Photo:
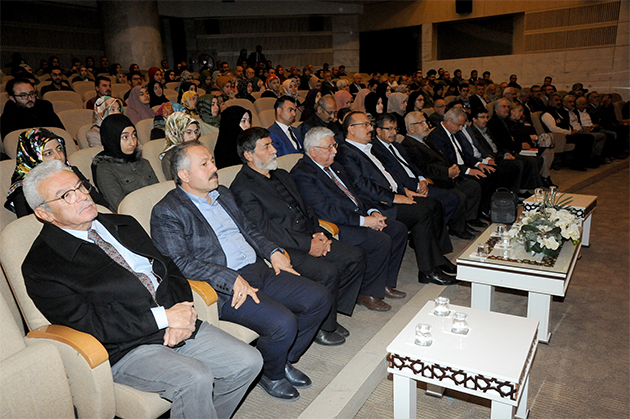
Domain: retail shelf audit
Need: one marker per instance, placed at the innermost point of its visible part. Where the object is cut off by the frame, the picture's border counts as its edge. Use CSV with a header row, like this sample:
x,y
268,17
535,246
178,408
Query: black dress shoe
x,y
342,331
473,231
279,389
550,182
296,377
329,338
448,267
391,292
464,235
477,223
436,276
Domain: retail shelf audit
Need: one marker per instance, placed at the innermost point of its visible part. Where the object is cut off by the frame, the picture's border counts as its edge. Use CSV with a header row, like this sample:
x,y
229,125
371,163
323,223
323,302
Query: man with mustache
x,y
24,110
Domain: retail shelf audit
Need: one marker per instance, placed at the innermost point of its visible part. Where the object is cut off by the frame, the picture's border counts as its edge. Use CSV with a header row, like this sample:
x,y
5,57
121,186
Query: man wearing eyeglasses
x,y
423,216
101,274
325,114
24,110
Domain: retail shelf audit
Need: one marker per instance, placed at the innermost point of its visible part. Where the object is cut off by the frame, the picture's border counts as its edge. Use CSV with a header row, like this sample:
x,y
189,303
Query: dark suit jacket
x,y
180,231
282,143
502,134
439,137
324,196
477,103
367,179
354,89
482,144
394,167
433,163
287,226
74,283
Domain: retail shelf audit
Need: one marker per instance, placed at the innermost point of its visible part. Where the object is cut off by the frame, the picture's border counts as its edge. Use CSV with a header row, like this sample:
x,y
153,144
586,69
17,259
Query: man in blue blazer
x,y
286,139
423,216
328,190
199,225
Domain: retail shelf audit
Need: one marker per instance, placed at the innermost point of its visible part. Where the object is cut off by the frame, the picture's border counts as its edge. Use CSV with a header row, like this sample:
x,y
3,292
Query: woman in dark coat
x,y
234,120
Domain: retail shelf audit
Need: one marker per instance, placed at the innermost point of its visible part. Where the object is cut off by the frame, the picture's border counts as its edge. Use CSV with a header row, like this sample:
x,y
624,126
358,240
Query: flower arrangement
x,y
543,229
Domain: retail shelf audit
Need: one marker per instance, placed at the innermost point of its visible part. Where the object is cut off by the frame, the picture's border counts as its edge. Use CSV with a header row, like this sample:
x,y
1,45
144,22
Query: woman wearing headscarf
x,y
415,102
180,128
290,88
170,76
314,83
159,122
397,106
151,73
115,69
209,109
103,107
245,88
188,104
383,90
186,87
205,79
224,83
134,67
156,93
312,98
234,120
273,87
373,105
120,169
359,101
138,105
35,146
343,99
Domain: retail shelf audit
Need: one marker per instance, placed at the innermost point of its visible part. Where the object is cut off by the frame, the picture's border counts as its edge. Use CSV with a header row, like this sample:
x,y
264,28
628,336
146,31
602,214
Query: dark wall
x,y
392,50
475,38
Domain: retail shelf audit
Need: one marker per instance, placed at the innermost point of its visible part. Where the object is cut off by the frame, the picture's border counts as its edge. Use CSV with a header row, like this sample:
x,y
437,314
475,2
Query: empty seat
x,y
65,95
151,151
144,128
75,118
267,117
64,105
82,159
264,103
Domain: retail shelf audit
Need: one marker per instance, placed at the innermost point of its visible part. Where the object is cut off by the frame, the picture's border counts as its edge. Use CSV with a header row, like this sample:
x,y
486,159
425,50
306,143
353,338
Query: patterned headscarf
x,y
395,103
285,87
204,107
176,125
103,108
186,97
29,153
269,79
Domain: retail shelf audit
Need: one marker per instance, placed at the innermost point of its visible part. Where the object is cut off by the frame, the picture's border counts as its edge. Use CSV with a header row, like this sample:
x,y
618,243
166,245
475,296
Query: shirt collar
x,y
198,200
418,139
366,148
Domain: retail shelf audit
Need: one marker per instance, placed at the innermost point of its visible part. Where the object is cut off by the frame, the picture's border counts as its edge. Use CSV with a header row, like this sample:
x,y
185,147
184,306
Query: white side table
x,y
492,361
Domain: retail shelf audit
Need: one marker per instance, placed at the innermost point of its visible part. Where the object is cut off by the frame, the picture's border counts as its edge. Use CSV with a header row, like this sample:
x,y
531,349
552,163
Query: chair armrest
x,y
205,291
330,227
85,344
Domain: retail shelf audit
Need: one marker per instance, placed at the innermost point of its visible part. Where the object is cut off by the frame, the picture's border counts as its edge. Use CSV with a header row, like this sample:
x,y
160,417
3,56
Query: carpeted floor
x,y
584,371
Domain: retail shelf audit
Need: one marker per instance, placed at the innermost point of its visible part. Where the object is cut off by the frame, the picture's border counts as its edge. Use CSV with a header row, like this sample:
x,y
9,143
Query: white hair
x,y
38,174
314,137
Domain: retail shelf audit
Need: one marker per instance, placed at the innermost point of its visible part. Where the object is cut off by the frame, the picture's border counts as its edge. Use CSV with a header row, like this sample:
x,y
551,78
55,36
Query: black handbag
x,y
504,206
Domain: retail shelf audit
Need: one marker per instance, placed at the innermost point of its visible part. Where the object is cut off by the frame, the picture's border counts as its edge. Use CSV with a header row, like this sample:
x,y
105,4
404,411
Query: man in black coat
x,y
270,198
324,116
102,275
24,110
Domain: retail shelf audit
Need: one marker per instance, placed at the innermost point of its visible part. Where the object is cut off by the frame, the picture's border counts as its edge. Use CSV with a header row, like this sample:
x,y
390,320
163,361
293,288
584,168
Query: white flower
x,y
549,242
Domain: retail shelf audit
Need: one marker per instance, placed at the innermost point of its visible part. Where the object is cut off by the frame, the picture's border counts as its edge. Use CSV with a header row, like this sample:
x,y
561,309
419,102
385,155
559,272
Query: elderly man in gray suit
x,y
200,227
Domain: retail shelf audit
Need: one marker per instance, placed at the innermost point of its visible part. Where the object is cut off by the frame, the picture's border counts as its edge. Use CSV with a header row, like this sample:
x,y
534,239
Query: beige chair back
x,y
172,85
65,95
75,119
171,95
244,103
209,140
140,202
256,95
490,108
88,95
11,141
618,106
81,87
449,99
267,117
264,103
7,167
119,90
82,136
227,174
538,126
144,128
151,151
64,105
82,159
287,161
4,98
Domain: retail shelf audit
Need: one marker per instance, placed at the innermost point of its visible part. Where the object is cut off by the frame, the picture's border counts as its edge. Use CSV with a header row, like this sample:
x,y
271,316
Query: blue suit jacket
x,y
282,143
394,167
324,196
439,138
180,231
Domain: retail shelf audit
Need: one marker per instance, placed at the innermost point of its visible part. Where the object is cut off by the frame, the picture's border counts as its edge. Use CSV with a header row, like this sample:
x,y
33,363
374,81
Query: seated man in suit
x,y
199,225
327,189
325,113
399,165
270,198
443,173
443,138
356,84
423,216
286,139
100,274
439,107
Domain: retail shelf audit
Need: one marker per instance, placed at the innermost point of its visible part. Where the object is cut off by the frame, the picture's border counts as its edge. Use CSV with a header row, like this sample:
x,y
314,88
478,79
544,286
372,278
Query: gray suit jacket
x,y
181,232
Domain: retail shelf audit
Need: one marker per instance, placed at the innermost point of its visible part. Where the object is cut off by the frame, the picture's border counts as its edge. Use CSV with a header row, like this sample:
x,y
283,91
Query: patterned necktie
x,y
341,186
117,257
294,139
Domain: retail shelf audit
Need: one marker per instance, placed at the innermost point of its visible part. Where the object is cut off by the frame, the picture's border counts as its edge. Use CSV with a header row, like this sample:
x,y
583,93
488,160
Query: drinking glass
x,y
423,335
460,323
441,307
482,251
539,194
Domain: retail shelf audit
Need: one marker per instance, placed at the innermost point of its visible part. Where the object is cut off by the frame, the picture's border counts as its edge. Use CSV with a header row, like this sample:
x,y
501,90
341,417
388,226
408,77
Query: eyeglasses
x,y
328,148
23,96
390,129
419,123
70,196
364,124
330,112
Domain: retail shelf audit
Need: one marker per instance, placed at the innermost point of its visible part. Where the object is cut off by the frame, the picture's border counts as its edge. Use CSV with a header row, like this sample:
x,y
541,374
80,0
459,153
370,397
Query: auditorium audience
x,y
180,128
103,107
58,83
138,105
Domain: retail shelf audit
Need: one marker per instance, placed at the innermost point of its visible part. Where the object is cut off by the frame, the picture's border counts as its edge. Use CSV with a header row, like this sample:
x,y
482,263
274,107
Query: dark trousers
x,y
583,147
340,271
291,310
425,222
384,251
450,202
531,171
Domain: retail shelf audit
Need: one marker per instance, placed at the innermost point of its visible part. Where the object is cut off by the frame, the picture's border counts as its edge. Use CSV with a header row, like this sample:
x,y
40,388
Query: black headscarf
x,y
381,91
155,99
225,151
411,102
184,87
111,130
371,99
309,104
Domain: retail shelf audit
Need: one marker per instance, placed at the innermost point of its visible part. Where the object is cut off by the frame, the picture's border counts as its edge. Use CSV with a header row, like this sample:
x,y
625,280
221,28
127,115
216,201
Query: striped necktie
x,y
340,185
